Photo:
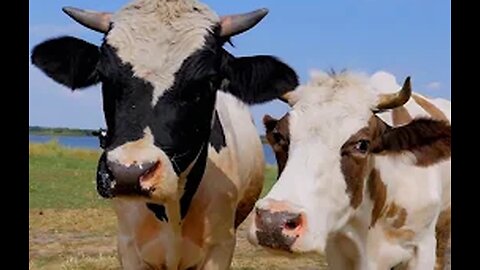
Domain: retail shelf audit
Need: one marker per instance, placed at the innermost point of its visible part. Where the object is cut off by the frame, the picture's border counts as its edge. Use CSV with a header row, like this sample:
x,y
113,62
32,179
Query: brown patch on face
x,y
429,140
400,116
431,109
278,137
442,233
355,166
355,161
378,194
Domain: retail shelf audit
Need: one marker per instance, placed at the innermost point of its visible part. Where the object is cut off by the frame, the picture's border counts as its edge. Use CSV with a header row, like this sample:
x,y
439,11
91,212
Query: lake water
x,y
90,142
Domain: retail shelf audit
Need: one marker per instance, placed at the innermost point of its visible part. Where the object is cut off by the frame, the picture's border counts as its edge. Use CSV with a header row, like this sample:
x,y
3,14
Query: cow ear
x,y
68,61
269,122
257,79
427,139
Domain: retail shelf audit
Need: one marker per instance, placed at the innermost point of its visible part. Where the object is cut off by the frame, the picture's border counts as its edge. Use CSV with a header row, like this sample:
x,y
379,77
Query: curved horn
x,y
235,24
97,21
291,97
393,100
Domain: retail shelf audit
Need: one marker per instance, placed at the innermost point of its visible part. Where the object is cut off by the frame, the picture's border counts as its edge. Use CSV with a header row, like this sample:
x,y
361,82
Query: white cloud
x,y
434,85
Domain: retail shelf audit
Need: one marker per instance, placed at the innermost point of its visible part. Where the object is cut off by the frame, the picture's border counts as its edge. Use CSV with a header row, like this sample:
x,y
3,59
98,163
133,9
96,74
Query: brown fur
x,y
354,167
442,233
278,137
378,194
433,111
396,218
429,140
398,215
249,199
400,116
396,235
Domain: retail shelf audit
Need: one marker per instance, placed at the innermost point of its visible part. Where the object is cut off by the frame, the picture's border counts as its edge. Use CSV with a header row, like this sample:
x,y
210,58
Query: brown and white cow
x,y
376,197
182,161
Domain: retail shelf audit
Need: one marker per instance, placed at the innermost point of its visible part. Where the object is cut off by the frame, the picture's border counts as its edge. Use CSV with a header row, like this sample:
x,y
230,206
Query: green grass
x,y
64,178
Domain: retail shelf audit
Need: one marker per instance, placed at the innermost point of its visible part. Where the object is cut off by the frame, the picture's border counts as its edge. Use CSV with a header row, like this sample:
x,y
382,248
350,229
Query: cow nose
x,y
127,178
278,229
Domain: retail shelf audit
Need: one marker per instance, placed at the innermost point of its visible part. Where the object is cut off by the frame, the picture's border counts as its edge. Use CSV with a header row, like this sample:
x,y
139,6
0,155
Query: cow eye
x,y
362,146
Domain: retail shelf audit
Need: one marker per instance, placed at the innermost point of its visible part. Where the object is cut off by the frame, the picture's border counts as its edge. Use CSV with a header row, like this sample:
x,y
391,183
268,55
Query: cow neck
x,y
193,174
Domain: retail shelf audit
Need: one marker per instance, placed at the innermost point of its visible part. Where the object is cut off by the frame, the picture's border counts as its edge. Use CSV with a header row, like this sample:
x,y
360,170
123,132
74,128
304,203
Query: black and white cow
x,y
183,162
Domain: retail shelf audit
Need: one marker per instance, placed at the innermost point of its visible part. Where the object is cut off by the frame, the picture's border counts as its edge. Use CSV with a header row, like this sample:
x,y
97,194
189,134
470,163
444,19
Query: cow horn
x,y
394,100
97,21
290,97
235,24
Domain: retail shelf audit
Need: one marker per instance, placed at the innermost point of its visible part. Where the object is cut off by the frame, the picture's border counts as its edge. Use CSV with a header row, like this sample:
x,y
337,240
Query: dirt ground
x,y
85,239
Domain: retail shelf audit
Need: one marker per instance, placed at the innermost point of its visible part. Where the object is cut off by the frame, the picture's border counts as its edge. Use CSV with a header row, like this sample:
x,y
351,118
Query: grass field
x,y
71,227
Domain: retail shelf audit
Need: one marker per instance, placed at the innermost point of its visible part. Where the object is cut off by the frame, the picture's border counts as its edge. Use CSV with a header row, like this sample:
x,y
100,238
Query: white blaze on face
x,y
156,36
329,111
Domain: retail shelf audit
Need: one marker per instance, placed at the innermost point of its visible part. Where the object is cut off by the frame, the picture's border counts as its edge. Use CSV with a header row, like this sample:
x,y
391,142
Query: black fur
x,y
258,79
68,60
217,138
193,181
158,210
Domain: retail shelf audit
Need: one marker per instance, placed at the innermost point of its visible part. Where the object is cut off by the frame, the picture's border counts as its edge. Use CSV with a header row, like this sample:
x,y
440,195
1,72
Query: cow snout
x,y
278,227
127,178
114,178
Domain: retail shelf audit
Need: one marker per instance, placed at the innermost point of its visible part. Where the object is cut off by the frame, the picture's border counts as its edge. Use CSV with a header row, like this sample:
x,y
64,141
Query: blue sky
x,y
403,37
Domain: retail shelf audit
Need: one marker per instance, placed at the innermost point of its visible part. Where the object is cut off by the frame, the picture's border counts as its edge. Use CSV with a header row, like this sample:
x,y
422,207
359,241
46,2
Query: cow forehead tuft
x,y
156,36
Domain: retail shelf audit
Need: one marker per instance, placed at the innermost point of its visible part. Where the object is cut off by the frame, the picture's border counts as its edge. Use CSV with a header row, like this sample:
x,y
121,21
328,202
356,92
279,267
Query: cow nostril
x,y
293,223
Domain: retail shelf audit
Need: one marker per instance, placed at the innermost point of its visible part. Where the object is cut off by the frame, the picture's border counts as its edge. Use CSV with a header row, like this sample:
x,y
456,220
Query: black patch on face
x,y
182,117
159,211
217,138
126,99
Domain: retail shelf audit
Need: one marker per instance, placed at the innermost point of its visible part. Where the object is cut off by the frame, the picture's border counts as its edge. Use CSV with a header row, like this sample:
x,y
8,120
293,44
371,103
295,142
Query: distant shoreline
x,y
47,131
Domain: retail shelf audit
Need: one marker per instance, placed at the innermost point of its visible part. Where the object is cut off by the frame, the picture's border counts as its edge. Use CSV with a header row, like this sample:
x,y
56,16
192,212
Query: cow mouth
x,y
136,189
108,186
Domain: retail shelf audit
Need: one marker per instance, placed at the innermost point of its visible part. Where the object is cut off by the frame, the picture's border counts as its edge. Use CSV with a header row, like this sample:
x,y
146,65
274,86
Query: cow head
x,y
336,145
160,64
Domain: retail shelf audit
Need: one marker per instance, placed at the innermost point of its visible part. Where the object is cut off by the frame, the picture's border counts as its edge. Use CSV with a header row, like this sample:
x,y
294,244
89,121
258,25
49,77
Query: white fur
x,y
326,103
156,36
329,110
